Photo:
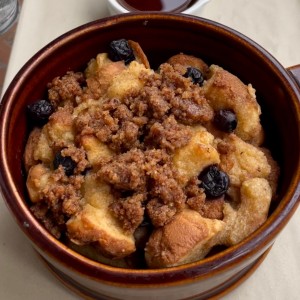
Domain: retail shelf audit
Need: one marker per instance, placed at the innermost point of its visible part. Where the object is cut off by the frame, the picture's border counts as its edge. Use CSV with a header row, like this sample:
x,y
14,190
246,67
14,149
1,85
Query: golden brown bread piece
x,y
43,151
96,224
128,82
114,78
59,129
96,151
88,104
188,61
99,74
256,195
226,91
187,238
33,139
275,172
199,153
101,71
37,180
244,161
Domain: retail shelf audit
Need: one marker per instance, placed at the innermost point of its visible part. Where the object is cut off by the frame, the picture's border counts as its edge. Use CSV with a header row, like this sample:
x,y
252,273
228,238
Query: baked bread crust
x,y
96,224
187,238
226,91
252,212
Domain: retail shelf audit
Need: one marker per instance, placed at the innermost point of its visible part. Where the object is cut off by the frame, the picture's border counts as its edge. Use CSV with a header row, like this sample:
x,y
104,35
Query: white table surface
x,y
274,24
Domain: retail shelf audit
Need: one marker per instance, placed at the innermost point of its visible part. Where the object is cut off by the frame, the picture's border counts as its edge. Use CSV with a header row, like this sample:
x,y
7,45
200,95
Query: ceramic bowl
x,y
161,36
114,7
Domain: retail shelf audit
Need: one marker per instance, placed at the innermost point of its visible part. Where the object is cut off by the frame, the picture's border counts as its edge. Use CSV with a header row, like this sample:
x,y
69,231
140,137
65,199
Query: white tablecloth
x,y
274,24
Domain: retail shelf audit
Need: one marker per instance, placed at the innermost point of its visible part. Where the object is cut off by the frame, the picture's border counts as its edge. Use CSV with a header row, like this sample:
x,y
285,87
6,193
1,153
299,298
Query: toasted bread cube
x,y
60,126
101,72
37,180
245,161
187,61
96,224
187,238
129,81
43,152
96,151
256,195
33,139
226,91
199,153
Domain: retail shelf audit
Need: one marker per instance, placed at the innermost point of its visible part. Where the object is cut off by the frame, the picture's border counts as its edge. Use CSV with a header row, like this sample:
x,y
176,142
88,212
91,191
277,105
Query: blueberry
x,y
214,181
120,50
195,74
225,120
40,111
66,162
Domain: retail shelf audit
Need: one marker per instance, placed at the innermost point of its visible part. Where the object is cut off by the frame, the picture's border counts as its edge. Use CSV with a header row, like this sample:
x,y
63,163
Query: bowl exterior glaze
x,y
161,36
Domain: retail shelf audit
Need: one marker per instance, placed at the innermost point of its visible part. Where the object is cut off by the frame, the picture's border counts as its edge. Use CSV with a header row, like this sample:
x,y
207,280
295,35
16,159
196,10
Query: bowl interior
x,y
160,36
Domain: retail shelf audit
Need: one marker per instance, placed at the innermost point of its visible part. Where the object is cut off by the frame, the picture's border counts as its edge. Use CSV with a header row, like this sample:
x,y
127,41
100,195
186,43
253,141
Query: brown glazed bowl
x,y
160,35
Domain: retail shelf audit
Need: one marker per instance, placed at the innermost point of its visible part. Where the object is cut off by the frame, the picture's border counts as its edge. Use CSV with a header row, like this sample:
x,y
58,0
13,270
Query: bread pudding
x,y
143,168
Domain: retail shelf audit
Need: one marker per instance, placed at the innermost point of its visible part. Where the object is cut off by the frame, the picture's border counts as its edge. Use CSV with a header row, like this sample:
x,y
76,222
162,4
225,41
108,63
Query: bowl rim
x,y
257,242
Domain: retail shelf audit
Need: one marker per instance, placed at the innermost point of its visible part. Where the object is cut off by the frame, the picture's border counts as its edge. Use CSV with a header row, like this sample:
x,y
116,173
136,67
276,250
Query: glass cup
x,y
9,10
